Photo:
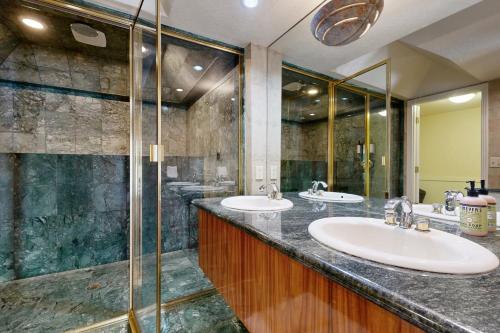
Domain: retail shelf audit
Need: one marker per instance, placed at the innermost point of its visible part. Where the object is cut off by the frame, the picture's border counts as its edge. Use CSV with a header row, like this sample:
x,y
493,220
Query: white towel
x,y
172,171
221,171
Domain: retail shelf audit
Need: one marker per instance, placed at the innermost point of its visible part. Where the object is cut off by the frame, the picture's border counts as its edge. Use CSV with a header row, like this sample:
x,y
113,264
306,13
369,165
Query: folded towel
x,y
221,171
172,171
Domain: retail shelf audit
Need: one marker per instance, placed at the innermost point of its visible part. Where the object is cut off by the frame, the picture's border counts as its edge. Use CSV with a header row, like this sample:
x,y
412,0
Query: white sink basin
x,y
333,197
203,188
426,210
182,184
435,251
256,203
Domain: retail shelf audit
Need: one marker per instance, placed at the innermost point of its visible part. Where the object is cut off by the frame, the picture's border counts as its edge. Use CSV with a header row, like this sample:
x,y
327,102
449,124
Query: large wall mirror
x,y
404,109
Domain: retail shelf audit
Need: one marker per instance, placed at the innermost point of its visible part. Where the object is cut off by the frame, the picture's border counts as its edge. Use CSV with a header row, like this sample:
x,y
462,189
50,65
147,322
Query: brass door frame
x,y
332,84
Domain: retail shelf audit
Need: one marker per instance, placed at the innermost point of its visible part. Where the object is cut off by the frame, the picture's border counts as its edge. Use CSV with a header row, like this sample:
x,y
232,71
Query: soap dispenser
x,y
492,206
473,213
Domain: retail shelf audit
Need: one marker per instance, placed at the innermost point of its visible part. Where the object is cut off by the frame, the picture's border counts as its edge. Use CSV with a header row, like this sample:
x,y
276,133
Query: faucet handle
x,y
390,212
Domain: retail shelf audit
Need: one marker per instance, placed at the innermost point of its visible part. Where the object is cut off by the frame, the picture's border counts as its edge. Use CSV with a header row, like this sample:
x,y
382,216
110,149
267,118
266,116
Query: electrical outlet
x,y
494,162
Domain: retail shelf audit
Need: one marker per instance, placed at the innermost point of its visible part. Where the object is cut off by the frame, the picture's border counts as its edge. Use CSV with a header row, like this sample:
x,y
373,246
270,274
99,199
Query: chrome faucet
x,y
399,211
274,194
452,201
315,185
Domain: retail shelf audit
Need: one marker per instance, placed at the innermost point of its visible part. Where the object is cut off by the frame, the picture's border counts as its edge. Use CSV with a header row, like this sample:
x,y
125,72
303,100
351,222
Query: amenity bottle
x,y
492,206
473,213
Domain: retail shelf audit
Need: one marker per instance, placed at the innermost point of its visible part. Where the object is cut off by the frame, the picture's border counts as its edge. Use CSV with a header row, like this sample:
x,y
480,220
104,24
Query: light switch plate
x,y
274,172
259,172
494,162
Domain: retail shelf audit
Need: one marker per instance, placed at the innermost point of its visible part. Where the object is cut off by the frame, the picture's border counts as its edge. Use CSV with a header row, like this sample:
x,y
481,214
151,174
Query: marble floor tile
x,y
73,299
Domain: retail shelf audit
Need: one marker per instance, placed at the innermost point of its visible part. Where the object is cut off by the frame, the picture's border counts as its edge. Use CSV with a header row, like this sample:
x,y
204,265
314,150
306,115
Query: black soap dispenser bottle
x,y
492,206
473,212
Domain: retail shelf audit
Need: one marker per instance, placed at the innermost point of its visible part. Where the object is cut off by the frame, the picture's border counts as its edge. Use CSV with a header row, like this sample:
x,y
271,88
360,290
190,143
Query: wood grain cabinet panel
x,y
273,293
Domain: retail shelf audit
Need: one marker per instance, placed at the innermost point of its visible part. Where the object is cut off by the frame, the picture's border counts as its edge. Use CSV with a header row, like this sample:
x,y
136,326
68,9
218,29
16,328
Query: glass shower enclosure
x,y
186,125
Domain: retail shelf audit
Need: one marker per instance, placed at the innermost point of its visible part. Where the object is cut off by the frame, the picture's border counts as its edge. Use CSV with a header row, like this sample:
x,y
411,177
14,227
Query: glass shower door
x,y
145,184
361,133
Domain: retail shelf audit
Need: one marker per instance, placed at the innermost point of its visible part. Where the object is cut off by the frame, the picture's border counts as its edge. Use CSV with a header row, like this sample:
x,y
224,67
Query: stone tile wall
x,y
61,212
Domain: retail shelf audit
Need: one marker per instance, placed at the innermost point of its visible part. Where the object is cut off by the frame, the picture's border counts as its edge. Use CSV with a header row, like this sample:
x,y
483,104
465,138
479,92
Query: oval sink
x,y
436,251
256,203
182,184
333,197
427,210
203,188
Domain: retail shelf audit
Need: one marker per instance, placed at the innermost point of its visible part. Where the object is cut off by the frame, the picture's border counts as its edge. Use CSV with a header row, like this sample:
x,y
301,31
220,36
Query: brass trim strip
x,y
132,322
363,71
204,293
132,168
367,146
240,127
112,321
79,10
331,136
158,185
306,73
388,106
130,316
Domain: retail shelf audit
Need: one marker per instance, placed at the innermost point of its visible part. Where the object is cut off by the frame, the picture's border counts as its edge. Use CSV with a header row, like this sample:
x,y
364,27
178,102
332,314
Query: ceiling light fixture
x,y
461,98
340,22
250,3
383,113
33,23
198,68
144,49
312,114
179,90
313,91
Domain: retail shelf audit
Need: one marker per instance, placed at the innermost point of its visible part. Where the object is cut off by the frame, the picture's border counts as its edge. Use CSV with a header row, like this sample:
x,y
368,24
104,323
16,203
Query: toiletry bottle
x,y
473,213
492,206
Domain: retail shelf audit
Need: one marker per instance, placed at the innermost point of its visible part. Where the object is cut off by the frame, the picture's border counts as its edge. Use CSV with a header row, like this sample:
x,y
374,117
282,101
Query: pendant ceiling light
x,y
341,22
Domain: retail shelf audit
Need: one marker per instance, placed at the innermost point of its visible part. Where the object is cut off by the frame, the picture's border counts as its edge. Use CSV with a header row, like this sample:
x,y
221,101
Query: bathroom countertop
x,y
434,302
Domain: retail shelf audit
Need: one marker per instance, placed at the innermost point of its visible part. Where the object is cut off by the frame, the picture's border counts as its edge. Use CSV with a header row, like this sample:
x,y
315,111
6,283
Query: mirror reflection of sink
x,y
333,197
435,251
256,203
203,188
182,184
427,210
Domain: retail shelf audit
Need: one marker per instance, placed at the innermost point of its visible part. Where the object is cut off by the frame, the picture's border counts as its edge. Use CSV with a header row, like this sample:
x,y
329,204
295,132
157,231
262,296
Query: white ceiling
x,y
470,39
398,19
226,20
444,105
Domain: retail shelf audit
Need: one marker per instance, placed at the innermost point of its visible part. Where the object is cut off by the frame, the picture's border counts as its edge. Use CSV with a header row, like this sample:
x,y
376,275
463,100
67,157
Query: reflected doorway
x,y
448,143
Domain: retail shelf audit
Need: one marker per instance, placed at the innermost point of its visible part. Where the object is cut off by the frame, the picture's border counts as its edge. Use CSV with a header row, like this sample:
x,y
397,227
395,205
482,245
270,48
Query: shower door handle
x,y
156,153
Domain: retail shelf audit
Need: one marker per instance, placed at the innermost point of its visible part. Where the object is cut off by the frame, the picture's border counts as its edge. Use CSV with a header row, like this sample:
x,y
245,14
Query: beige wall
x,y
450,150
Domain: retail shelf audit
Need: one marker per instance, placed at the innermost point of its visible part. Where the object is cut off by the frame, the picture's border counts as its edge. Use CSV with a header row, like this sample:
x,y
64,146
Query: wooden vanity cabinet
x,y
273,293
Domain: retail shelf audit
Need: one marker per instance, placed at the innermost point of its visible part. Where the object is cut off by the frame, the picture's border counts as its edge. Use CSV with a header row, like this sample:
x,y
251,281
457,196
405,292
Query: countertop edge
x,y
424,318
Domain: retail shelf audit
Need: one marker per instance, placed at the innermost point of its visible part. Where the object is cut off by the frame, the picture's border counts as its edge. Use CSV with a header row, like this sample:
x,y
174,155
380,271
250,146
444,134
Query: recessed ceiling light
x,y
317,100
462,98
144,49
312,114
345,98
33,23
198,68
179,89
233,99
383,113
313,91
250,3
